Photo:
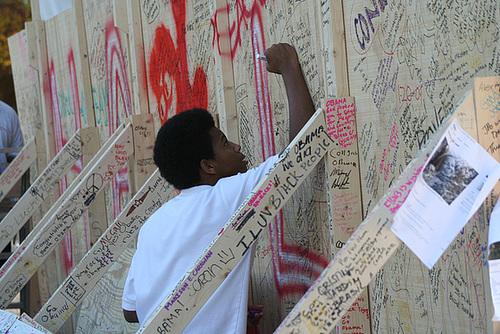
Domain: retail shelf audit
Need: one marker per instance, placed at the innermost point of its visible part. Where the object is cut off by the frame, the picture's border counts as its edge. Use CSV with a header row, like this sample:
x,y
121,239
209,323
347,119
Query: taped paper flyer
x,y
455,180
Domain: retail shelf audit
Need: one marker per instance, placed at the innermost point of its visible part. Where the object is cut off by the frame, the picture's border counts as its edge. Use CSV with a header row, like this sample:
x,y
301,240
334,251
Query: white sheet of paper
x,y
455,180
22,328
494,267
6,320
494,230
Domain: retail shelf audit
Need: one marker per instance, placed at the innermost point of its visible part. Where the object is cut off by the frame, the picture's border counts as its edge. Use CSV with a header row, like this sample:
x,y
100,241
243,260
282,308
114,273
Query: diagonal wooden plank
x,y
75,203
104,253
244,227
38,227
38,191
17,168
364,254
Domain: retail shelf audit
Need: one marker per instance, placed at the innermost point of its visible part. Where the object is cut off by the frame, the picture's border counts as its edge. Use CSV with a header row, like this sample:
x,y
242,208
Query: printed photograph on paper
x,y
447,174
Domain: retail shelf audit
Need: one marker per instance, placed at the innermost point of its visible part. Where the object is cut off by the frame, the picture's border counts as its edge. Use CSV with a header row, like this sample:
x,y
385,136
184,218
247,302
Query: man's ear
x,y
207,166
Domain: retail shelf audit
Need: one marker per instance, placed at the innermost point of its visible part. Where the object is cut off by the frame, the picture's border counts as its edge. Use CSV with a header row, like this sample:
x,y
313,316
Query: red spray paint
x,y
78,167
60,141
118,97
168,69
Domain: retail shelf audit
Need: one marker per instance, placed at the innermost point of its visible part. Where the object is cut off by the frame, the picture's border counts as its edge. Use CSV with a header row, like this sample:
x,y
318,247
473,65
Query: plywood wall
x,y
406,63
409,63
26,85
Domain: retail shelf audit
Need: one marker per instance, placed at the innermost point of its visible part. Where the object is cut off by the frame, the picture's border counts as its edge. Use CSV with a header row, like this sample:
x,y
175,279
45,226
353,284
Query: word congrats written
x,y
243,228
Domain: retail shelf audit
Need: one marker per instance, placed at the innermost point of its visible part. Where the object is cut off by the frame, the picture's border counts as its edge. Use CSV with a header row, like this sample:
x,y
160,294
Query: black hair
x,y
182,142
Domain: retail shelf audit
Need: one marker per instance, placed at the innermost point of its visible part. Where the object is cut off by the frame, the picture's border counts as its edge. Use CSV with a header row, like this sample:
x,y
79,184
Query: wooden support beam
x,y
144,141
73,206
40,288
41,149
344,191
364,254
36,194
98,220
226,97
17,168
43,78
339,50
104,253
295,163
31,37
84,57
487,104
120,15
138,76
35,10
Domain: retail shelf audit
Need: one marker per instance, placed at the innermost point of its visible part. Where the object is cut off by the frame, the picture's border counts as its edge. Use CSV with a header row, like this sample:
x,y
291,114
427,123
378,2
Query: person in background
x,y
10,134
211,172
10,137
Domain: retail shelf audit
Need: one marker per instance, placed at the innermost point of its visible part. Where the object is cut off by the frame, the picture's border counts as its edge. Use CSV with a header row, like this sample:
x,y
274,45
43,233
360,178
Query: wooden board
x,y
38,48
344,196
334,44
109,61
243,228
43,185
26,84
137,59
96,219
104,253
487,103
70,109
27,91
144,141
74,204
17,168
225,89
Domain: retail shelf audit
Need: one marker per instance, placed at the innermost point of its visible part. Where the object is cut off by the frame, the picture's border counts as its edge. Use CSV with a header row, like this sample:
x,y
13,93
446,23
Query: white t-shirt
x,y
175,236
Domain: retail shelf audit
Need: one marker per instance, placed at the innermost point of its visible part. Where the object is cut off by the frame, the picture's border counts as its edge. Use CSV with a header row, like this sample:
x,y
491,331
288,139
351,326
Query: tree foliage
x,y
13,14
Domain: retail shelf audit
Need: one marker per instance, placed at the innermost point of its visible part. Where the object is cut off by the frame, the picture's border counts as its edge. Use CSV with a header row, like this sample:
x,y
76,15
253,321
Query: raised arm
x,y
282,59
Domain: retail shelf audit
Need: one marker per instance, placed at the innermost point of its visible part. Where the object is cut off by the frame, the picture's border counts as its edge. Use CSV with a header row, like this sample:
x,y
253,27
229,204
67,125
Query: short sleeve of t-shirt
x,y
128,298
238,187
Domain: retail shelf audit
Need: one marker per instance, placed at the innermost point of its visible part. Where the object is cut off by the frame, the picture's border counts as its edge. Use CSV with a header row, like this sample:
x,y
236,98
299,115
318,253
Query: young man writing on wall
x,y
212,175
